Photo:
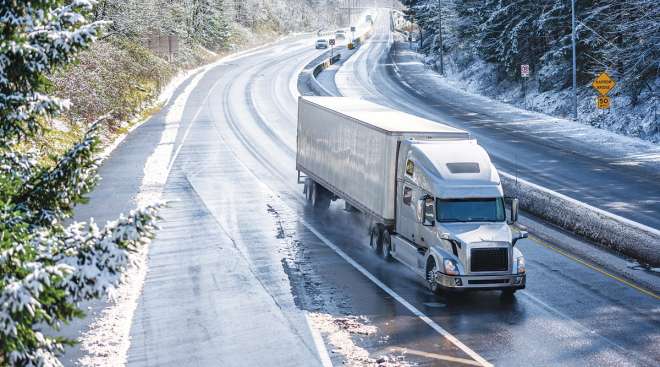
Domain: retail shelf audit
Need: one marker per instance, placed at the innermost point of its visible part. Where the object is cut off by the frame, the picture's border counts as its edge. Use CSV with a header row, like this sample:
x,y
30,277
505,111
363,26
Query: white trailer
x,y
350,146
420,182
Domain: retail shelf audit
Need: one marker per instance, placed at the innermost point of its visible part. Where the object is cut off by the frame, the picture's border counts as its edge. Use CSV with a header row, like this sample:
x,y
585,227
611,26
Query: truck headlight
x,y
450,267
520,265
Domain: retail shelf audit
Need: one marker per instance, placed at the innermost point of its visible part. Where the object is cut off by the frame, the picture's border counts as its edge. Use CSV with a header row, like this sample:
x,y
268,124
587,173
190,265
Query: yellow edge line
x,y
554,248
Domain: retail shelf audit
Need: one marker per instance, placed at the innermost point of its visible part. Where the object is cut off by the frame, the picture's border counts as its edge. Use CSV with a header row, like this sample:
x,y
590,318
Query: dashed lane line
x,y
592,267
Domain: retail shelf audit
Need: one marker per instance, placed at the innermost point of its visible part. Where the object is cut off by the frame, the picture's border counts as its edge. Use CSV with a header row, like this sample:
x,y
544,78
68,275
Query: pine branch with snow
x,y
47,268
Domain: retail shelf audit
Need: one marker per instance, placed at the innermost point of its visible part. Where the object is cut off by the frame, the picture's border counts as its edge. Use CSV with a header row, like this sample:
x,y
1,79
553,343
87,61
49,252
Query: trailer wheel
x,y
320,197
307,189
386,250
431,269
376,239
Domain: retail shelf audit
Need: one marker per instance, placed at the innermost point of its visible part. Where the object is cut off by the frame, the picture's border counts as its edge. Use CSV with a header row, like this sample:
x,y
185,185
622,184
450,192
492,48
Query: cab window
x,y
410,168
407,195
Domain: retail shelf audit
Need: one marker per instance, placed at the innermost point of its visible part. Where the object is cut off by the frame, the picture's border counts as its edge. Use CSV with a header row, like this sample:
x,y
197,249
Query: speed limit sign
x,y
331,41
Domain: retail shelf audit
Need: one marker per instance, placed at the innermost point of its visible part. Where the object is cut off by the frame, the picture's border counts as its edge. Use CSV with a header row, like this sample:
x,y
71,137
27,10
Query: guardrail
x,y
325,64
309,74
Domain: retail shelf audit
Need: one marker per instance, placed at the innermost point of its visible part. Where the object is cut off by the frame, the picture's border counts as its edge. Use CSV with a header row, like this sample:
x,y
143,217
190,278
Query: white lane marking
x,y
318,341
396,296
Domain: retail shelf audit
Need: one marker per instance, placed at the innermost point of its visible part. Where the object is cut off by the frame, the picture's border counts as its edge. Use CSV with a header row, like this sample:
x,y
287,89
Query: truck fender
x,y
438,254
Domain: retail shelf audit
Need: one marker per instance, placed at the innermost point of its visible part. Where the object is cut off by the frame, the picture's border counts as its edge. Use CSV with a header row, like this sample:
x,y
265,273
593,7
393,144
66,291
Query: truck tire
x,y
507,293
431,268
320,197
307,190
386,246
376,239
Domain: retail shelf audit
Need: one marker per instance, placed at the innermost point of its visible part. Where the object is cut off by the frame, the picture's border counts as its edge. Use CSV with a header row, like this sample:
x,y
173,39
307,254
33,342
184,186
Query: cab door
x,y
406,221
425,233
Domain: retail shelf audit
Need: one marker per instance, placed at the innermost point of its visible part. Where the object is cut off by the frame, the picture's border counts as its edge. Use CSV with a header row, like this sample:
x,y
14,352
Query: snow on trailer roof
x,y
386,119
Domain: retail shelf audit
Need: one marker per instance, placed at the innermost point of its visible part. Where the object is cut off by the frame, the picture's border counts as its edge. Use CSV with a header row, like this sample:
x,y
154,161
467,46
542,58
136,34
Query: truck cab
x,y
451,225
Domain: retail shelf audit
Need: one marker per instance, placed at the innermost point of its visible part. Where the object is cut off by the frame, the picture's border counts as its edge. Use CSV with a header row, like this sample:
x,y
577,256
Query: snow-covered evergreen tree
x,y
620,37
47,267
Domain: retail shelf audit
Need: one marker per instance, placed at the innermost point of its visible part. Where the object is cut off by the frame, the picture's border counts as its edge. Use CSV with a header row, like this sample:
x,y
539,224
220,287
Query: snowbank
x,y
606,229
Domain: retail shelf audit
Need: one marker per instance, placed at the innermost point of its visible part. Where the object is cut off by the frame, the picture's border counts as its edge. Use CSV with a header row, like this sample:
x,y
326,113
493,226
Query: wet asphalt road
x,y
598,175
238,240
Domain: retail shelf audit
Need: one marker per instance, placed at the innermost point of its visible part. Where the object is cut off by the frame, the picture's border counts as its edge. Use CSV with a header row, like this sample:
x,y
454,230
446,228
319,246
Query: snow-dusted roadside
x,y
623,149
107,340
167,93
622,118
340,332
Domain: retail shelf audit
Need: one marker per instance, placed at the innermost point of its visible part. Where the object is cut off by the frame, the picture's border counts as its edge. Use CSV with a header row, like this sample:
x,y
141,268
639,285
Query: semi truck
x,y
431,193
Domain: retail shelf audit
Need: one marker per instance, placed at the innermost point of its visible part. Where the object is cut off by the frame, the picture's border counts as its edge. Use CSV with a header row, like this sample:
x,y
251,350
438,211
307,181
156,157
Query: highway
x,y
238,239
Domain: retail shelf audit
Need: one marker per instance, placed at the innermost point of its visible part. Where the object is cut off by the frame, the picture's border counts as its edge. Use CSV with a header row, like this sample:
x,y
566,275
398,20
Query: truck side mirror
x,y
514,210
519,236
428,218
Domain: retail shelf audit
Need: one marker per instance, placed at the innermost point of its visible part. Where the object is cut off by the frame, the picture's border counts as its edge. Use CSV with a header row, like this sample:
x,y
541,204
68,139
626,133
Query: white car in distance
x,y
321,43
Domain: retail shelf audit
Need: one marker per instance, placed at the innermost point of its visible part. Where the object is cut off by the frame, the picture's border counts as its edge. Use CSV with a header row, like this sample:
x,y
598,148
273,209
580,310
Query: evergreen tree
x,y
46,267
209,26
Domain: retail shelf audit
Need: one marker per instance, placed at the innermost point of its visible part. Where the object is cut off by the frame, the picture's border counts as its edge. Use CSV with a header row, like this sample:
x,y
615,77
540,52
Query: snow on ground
x,y
107,341
627,150
340,333
639,121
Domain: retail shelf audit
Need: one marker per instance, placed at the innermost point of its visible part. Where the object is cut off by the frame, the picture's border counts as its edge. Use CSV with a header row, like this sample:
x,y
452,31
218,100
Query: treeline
x,y
211,23
620,37
146,42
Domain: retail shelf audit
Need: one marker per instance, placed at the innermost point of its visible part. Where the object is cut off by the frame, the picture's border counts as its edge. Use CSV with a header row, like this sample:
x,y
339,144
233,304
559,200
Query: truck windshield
x,y
470,210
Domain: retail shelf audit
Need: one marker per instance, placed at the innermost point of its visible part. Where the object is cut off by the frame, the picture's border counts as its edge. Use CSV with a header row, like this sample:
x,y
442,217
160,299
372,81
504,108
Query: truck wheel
x,y
508,292
386,251
320,197
431,269
307,190
375,239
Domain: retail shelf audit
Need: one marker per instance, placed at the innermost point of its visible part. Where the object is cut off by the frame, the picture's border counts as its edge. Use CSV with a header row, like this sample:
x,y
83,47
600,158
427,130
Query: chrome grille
x,y
489,259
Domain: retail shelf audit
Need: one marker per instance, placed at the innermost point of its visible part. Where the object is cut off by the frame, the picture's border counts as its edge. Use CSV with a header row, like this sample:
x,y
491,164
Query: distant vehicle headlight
x,y
450,267
521,265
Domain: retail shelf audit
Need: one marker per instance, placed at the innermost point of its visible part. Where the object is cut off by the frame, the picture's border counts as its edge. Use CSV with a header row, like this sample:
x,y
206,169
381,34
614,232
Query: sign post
x,y
603,84
353,34
331,41
524,73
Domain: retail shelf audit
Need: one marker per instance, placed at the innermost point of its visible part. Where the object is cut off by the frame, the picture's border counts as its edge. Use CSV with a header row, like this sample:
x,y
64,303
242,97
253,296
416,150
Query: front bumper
x,y
506,281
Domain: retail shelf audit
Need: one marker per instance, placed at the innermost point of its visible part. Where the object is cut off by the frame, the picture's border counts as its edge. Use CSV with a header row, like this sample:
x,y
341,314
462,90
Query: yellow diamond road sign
x,y
603,84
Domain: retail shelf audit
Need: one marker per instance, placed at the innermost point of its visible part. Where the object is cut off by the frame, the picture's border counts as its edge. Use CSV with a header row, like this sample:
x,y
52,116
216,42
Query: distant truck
x,y
433,196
